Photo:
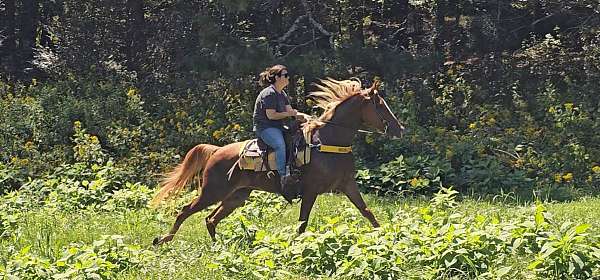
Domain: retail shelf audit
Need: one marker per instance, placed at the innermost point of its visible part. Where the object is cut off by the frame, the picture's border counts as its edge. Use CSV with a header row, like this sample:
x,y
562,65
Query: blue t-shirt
x,y
268,98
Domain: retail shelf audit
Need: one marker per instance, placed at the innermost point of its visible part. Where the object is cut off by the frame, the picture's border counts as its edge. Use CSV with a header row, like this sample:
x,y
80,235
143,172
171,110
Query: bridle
x,y
381,118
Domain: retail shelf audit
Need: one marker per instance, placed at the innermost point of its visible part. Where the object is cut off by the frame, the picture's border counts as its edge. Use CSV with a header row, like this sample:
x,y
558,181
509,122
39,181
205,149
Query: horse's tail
x,y
174,181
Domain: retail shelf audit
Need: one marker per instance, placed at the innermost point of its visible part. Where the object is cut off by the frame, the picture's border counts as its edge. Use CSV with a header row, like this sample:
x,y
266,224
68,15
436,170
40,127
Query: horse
x,y
347,108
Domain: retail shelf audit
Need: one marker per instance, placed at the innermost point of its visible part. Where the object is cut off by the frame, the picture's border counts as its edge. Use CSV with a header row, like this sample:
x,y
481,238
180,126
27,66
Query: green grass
x,y
48,231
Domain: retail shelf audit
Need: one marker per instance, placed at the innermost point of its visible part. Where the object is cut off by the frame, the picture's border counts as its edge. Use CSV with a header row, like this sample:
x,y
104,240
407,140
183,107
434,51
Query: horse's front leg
x,y
352,192
308,200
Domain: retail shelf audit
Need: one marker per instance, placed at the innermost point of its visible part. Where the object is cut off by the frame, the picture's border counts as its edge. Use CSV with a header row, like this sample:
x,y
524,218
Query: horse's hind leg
x,y
225,208
209,195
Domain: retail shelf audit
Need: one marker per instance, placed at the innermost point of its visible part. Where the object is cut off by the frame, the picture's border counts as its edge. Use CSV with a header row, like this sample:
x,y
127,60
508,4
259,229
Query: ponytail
x,y
267,77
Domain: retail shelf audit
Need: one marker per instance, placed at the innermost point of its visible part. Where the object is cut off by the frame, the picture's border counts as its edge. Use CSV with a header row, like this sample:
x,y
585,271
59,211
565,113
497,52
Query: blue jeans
x,y
274,138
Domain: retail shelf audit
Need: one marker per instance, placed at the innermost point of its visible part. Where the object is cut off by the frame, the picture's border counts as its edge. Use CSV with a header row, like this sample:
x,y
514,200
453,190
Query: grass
x,y
48,231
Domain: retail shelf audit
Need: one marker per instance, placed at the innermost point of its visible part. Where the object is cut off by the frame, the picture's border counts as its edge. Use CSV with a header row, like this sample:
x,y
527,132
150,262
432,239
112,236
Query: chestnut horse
x,y
346,109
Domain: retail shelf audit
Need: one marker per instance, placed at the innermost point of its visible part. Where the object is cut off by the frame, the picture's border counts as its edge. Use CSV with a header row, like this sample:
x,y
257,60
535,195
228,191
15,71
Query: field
x,y
419,239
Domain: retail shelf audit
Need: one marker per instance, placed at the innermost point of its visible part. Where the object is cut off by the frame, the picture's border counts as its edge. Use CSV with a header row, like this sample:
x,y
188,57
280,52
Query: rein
x,y
383,120
358,130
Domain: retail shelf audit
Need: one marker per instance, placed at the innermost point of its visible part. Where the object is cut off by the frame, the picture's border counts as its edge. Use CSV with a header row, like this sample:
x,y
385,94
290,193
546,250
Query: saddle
x,y
257,156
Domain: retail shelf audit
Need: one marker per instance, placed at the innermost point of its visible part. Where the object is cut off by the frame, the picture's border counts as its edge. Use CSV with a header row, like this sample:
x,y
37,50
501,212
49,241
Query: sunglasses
x,y
287,75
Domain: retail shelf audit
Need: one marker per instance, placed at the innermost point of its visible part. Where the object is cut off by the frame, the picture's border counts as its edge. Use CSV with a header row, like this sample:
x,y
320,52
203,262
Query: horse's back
x,y
227,154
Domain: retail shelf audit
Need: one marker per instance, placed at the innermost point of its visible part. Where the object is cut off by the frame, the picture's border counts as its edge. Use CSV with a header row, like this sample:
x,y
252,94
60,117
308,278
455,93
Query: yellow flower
x,y
414,182
236,127
551,110
520,162
568,177
596,169
569,106
472,126
77,124
491,121
28,145
557,178
94,139
131,92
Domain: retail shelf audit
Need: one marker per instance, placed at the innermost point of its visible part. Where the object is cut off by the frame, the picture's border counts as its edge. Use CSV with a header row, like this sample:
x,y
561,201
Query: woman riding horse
x,y
331,167
272,106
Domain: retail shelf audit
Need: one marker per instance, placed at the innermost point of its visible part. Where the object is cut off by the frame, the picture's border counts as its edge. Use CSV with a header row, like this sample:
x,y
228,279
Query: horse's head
x,y
377,114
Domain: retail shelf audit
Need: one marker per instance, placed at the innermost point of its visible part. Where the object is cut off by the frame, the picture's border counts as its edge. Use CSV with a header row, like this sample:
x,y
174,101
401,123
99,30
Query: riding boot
x,y
287,189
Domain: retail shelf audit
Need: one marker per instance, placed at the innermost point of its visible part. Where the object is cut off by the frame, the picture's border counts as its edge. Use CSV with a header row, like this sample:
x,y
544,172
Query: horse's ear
x,y
373,89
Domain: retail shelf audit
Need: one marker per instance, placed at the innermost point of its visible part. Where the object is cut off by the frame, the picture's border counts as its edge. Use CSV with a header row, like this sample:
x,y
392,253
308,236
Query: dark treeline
x,y
501,94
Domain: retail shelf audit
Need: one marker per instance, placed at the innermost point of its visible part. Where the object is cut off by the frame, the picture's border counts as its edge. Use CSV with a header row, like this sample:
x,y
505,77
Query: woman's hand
x,y
292,113
302,117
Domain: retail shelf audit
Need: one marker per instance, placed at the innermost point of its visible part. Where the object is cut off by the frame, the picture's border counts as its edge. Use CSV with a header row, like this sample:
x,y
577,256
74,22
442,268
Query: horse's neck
x,y
343,124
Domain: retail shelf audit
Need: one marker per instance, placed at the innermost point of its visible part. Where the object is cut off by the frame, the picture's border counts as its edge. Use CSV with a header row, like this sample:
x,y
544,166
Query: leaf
x,y
503,271
450,263
517,243
582,228
548,250
25,249
270,263
578,260
534,264
539,214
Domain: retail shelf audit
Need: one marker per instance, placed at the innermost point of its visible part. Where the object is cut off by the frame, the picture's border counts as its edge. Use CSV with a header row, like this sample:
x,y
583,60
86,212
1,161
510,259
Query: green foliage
x,y
105,258
417,174
488,175
471,84
78,186
87,147
428,242
442,239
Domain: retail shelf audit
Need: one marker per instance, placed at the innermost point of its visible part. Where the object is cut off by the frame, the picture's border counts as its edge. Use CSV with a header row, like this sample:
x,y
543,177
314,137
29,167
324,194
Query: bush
x,y
429,242
417,174
105,258
80,185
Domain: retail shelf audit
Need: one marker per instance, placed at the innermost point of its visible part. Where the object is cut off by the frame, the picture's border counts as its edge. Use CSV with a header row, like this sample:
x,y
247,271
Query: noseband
x,y
381,118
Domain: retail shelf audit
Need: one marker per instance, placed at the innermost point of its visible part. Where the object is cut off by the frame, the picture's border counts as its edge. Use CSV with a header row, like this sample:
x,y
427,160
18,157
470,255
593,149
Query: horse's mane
x,y
329,95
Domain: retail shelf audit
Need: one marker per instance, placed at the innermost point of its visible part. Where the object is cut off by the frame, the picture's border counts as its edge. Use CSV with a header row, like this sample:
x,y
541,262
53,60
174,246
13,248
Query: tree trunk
x,y
357,38
27,37
8,54
439,33
136,37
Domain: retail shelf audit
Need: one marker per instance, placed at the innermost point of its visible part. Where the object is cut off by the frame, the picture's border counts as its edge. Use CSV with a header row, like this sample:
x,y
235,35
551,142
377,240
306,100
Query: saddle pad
x,y
252,158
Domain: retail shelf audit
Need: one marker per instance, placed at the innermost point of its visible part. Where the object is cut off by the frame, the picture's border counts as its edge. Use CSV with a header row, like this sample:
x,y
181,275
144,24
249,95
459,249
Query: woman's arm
x,y
272,114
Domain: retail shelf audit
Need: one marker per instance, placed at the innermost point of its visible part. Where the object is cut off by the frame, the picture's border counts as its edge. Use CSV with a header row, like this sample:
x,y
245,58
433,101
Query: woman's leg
x,y
274,138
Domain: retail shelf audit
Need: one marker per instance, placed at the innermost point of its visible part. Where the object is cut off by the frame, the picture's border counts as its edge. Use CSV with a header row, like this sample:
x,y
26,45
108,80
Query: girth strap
x,y
335,149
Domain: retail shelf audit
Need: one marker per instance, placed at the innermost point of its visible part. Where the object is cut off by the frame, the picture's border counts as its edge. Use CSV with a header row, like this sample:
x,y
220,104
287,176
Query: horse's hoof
x,y
211,231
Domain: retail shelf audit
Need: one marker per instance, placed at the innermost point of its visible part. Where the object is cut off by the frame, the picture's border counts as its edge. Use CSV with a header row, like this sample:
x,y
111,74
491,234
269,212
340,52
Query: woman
x,y
272,106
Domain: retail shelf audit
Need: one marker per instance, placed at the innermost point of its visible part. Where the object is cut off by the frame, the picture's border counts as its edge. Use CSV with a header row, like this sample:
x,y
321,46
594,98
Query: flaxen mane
x,y
329,95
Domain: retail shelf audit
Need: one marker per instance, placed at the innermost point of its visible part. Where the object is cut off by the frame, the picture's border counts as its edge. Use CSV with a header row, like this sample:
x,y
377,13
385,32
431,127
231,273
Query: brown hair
x,y
267,77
